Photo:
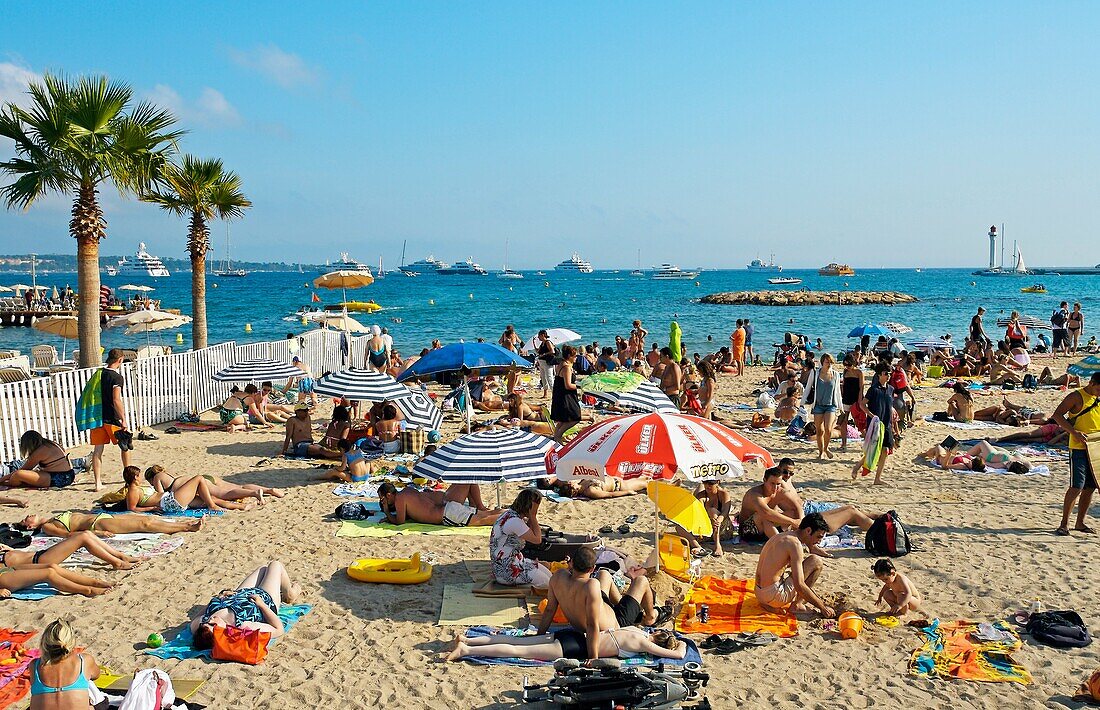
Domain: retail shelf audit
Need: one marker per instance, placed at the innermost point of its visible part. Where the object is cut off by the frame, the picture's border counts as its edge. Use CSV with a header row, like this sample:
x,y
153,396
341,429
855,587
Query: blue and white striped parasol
x,y
1028,322
931,344
489,456
257,371
647,397
419,410
366,385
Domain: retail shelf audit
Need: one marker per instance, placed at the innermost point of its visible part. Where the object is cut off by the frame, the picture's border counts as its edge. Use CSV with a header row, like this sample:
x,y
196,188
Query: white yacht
x,y
430,265
784,281
463,268
575,263
144,264
760,265
507,273
346,263
670,271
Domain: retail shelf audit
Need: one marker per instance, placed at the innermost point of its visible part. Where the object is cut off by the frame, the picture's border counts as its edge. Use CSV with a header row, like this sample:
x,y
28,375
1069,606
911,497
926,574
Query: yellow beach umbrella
x,y
343,279
680,506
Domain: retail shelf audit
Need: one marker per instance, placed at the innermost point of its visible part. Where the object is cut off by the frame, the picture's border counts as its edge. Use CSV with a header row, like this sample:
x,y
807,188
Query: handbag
x,y
760,421
232,643
413,441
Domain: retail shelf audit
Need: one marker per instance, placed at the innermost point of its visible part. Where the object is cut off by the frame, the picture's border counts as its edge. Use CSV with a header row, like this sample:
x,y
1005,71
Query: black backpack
x,y
1062,629
887,536
352,510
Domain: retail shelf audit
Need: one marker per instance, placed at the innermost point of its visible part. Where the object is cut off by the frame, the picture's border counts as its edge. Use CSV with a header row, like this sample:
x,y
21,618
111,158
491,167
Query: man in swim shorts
x,y
760,516
593,604
785,576
299,432
790,503
411,505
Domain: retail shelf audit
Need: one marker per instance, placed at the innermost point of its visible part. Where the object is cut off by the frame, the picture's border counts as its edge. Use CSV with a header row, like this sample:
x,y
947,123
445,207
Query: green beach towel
x,y
366,528
89,408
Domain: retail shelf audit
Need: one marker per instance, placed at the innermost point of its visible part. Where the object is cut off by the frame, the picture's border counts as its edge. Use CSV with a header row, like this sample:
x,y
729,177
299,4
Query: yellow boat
x,y
355,306
1037,288
835,269
379,571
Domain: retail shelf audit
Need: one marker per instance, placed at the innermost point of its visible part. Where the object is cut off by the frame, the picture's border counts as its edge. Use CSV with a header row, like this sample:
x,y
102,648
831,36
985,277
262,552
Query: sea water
x,y
599,306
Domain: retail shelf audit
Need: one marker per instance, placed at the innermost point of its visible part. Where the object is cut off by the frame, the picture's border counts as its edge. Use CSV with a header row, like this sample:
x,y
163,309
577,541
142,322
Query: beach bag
x,y
1061,629
1030,382
413,441
238,645
887,536
352,510
796,427
935,371
765,401
760,421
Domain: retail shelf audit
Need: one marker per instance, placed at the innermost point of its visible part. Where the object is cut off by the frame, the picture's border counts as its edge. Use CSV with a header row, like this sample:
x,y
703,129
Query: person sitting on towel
x,y
593,604
785,576
411,505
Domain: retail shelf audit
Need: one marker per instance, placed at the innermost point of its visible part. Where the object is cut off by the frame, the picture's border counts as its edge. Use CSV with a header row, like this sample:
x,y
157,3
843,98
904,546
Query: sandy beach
x,y
985,548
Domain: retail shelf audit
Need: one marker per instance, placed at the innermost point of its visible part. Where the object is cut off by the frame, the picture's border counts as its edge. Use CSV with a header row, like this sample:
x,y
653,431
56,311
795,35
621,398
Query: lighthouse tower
x,y
992,246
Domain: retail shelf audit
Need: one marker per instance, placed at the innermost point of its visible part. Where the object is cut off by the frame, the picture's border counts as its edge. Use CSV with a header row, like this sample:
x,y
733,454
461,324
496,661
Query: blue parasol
x,y
487,357
871,329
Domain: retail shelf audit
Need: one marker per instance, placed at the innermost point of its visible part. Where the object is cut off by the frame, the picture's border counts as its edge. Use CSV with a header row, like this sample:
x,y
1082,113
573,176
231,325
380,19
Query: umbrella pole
x,y
657,526
467,407
498,494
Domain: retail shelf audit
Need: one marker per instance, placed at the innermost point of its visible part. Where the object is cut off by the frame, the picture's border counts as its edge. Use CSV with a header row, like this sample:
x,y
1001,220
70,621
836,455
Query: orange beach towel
x,y
733,608
15,661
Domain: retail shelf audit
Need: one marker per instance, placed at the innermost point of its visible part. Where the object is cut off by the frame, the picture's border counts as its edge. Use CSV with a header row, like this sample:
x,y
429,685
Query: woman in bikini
x,y
953,460
388,429
254,604
851,387
600,489
523,417
995,457
145,499
960,406
1075,324
61,551
338,429
163,481
570,643
706,391
12,579
105,524
354,467
236,411
1048,433
61,677
45,465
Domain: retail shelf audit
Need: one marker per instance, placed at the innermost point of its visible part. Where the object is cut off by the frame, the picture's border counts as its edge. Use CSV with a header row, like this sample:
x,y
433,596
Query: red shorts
x,y
105,434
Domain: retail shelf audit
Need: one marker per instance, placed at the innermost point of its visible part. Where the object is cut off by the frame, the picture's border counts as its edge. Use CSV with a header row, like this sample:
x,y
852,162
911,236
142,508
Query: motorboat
x,y
354,306
463,268
430,265
144,264
227,271
505,272
1037,288
835,269
784,281
671,271
575,264
760,265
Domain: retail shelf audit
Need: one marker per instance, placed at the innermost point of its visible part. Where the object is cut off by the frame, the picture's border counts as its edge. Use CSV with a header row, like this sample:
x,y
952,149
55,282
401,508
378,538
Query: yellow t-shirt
x,y
1087,423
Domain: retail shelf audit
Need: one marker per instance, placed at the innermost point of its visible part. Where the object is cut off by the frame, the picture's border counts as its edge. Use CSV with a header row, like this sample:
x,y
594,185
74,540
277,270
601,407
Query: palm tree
x,y
74,136
205,190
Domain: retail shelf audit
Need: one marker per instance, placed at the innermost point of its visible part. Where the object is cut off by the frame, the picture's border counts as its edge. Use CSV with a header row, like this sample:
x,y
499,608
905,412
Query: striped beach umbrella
x,y
655,446
257,371
1028,322
366,385
419,410
1085,368
646,397
931,344
899,328
488,456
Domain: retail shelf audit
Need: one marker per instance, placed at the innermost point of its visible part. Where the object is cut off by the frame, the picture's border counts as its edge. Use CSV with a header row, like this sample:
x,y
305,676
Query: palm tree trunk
x,y
197,245
88,227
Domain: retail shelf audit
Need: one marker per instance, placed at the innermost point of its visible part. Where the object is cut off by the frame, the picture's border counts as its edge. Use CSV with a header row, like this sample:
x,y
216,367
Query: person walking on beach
x,y
879,402
114,416
737,348
823,395
977,330
547,353
1079,415
1075,325
1059,319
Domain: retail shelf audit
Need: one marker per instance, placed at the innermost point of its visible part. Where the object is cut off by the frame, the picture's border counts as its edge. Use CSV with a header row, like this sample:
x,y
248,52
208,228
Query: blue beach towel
x,y
180,646
33,594
692,655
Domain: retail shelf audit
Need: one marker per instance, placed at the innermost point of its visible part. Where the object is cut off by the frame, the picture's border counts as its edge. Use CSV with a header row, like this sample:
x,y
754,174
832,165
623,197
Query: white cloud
x,y
13,83
209,110
286,69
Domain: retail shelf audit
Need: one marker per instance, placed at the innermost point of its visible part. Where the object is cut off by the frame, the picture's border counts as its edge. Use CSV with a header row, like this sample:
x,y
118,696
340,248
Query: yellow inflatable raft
x,y
410,571
355,306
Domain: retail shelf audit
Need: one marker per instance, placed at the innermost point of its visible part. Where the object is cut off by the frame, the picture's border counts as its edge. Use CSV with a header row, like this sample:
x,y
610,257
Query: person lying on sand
x,y
954,460
570,643
898,592
12,579
600,489
410,505
192,492
792,591
13,500
61,551
106,525
254,604
163,481
1049,433
593,604
774,506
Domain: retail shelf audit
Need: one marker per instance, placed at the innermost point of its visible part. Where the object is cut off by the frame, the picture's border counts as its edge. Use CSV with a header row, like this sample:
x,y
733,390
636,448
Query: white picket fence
x,y
158,389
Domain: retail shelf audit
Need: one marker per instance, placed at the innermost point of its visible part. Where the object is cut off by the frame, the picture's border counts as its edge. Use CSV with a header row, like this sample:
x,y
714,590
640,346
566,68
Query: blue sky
x,y
703,134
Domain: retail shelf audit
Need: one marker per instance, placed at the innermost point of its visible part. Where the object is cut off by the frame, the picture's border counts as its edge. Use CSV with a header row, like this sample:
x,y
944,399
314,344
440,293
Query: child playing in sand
x,y
897,590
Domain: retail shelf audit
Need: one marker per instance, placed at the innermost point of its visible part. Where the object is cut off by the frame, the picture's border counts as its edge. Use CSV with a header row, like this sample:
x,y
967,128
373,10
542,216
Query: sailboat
x,y
381,273
1019,268
404,270
229,271
505,272
638,268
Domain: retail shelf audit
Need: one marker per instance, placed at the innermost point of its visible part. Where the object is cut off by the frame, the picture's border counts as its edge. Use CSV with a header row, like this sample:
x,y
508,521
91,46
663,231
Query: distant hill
x,y
21,263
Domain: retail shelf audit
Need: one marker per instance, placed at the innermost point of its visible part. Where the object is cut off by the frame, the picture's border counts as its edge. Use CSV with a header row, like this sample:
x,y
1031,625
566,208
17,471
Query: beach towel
x,y
89,408
34,593
132,544
15,662
733,609
643,660
966,425
872,445
365,489
953,651
366,528
461,607
189,513
184,688
479,570
197,426
180,646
